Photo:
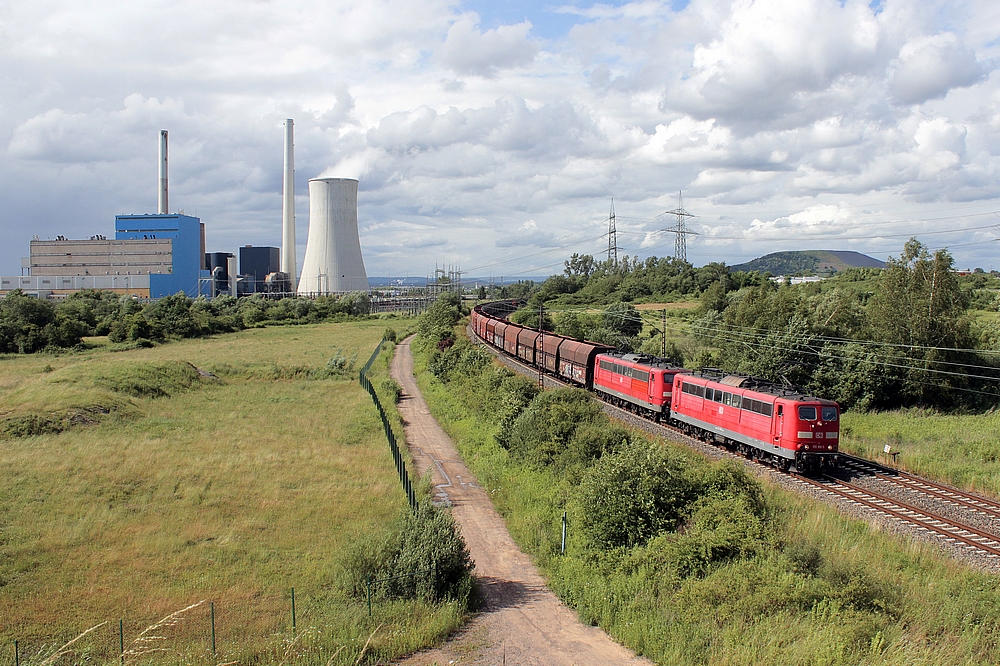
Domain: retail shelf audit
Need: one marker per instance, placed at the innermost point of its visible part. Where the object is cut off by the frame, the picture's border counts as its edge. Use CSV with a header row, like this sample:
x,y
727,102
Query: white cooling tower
x,y
333,261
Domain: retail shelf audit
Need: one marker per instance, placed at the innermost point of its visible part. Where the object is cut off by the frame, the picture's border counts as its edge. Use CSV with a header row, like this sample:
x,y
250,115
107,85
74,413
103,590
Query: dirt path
x,y
523,622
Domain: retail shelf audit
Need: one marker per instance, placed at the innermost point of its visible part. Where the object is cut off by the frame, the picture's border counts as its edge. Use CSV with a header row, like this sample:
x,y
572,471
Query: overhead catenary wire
x,y
756,341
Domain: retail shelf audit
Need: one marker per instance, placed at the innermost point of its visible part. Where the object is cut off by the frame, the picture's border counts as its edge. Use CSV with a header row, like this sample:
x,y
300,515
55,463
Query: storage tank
x,y
333,261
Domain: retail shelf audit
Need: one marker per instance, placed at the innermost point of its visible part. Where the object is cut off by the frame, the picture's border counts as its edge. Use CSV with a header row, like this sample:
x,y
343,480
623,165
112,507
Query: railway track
x,y
916,484
952,530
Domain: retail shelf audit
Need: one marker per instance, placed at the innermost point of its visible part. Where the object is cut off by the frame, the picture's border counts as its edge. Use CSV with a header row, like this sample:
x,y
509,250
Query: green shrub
x,y
513,393
338,366
390,388
425,558
542,433
633,495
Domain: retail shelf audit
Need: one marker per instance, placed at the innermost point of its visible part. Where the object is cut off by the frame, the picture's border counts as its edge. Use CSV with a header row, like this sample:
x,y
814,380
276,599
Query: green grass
x,y
187,488
827,590
963,450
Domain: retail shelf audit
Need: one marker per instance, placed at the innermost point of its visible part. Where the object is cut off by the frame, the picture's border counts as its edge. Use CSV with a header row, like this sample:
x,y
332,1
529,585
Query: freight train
x,y
779,425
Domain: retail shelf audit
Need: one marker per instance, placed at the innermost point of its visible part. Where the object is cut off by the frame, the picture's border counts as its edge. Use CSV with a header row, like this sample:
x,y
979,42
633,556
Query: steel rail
x,y
925,486
928,520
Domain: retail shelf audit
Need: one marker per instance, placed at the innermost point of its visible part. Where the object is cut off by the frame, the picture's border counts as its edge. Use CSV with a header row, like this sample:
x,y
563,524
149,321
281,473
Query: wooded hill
x,y
809,261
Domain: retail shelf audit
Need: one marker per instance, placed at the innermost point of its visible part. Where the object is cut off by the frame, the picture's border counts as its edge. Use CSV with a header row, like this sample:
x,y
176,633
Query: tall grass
x,y
819,589
961,449
233,488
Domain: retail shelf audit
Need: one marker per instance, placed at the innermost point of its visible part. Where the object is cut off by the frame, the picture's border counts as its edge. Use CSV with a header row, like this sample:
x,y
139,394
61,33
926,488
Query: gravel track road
x,y
522,621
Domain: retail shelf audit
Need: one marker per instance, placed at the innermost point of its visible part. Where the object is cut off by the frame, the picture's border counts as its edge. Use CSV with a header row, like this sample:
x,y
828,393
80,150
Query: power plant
x,y
333,261
156,255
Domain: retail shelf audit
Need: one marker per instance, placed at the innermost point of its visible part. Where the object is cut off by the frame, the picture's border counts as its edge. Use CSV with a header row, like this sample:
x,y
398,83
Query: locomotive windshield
x,y
829,413
807,413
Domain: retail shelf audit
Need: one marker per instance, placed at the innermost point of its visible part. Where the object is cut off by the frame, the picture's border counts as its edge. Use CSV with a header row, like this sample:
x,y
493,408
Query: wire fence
x,y
259,628
397,456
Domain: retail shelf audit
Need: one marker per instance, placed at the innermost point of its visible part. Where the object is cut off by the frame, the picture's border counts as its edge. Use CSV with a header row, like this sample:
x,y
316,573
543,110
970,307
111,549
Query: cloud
x,y
468,51
528,234
771,59
478,141
930,66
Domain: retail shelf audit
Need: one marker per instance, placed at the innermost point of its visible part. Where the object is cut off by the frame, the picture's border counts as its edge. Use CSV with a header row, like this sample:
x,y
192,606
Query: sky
x,y
493,136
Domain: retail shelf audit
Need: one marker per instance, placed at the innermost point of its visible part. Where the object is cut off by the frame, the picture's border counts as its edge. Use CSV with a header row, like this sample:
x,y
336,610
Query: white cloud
x,y
930,66
468,51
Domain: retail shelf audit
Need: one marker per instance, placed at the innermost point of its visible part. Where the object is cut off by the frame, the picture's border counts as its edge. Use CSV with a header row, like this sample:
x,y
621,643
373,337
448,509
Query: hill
x,y
809,261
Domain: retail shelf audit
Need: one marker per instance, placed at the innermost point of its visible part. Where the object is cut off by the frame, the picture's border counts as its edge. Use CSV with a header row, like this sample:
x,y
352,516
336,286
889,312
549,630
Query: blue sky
x,y
494,135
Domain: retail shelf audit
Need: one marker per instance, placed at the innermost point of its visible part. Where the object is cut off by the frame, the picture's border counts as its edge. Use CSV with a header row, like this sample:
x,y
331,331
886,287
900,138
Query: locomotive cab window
x,y
829,413
807,412
709,394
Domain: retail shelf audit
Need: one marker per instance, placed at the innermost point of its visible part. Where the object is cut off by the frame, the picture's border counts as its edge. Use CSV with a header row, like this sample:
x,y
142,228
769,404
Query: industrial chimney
x,y
161,204
288,208
333,261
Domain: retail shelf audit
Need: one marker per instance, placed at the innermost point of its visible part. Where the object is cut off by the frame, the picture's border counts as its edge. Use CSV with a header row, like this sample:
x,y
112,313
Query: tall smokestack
x,y
162,199
288,208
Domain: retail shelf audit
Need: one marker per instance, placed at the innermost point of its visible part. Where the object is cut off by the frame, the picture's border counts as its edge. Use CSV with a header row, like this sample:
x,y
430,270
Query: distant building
x,y
257,262
151,256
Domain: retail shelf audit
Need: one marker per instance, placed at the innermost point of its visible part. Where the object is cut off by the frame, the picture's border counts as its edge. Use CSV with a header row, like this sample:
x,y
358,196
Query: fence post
x,y
369,587
17,656
563,552
211,608
293,610
121,641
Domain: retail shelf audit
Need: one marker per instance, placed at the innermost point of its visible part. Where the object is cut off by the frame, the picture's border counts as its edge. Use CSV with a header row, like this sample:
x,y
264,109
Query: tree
x,y
623,318
918,313
579,265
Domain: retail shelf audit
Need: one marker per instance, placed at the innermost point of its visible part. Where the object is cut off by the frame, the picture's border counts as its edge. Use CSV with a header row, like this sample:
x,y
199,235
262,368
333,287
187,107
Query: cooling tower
x,y
333,261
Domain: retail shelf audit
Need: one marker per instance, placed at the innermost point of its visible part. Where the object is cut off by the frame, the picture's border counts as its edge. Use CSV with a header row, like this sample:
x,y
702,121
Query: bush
x,y
542,433
630,497
29,325
425,558
512,395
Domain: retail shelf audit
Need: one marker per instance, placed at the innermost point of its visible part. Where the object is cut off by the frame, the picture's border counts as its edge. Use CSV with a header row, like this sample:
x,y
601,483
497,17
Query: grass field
x,y
963,450
826,589
154,487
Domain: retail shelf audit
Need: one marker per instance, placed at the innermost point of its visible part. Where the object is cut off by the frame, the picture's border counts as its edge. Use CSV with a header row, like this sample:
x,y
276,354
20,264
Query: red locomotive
x,y
639,383
776,424
761,420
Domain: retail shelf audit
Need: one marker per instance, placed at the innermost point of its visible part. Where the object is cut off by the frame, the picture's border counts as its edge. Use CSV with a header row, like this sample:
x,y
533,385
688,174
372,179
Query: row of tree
x,y
29,325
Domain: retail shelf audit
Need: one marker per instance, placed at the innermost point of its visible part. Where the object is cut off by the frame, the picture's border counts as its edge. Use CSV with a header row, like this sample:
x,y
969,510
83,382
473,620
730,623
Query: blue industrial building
x,y
187,234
